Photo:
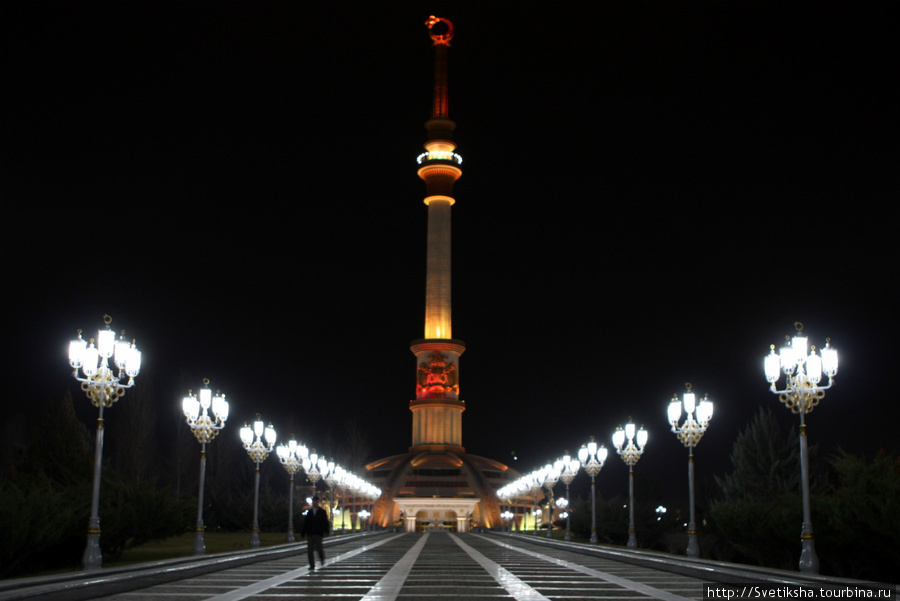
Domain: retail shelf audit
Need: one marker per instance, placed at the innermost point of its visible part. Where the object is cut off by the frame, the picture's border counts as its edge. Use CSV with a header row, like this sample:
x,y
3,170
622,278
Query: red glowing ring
x,y
438,38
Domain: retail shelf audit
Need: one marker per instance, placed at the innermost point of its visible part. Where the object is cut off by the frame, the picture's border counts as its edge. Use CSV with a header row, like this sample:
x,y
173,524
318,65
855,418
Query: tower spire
x,y
437,410
440,106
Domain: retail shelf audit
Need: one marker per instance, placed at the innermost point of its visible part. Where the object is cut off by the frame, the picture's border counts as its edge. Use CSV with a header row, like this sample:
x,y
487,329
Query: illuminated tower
x,y
437,410
436,483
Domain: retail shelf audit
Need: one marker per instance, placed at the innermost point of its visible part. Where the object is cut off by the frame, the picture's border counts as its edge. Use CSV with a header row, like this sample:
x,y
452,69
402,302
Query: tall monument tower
x,y
437,410
436,484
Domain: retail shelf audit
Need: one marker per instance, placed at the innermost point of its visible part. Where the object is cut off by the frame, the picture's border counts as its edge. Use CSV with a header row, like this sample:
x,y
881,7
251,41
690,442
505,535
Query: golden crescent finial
x,y
440,39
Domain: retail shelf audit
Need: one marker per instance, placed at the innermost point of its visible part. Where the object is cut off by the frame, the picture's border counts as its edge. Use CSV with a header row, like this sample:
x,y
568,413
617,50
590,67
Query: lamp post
x,y
630,453
253,439
330,477
510,508
552,472
205,428
689,433
291,457
521,493
103,386
592,458
801,394
535,479
340,480
353,487
569,471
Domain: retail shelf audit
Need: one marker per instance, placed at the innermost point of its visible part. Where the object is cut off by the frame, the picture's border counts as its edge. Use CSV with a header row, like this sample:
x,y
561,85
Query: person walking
x,y
315,527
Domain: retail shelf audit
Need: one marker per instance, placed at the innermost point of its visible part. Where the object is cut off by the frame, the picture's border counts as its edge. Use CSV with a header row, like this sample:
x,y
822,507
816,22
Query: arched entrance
x,y
422,514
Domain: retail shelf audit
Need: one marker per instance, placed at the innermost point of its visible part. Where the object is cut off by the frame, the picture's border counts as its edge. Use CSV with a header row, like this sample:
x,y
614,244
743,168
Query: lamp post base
x,y
199,542
693,548
254,538
92,559
632,539
809,561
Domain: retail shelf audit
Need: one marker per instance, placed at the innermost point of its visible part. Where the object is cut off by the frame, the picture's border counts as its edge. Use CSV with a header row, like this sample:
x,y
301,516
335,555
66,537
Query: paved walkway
x,y
426,567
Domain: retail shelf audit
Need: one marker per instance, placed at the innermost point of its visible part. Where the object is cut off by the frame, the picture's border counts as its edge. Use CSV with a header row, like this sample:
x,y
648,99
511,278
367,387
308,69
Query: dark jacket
x,y
315,522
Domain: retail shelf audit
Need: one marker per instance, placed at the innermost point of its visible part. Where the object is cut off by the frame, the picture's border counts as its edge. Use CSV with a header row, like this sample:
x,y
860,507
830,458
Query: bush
x,y
42,525
132,514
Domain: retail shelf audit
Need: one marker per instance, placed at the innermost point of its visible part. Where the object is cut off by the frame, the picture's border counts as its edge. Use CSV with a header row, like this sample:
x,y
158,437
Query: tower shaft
x,y
438,317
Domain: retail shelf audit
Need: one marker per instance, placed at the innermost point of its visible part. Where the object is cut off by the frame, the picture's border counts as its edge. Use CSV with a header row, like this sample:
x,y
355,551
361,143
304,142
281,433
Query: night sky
x,y
652,193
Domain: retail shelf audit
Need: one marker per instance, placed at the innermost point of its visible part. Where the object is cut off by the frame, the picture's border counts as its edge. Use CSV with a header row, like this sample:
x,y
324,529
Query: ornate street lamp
x,y
340,480
689,433
552,472
801,394
205,428
630,453
374,493
535,480
592,458
291,456
521,492
258,441
104,386
329,475
352,484
569,471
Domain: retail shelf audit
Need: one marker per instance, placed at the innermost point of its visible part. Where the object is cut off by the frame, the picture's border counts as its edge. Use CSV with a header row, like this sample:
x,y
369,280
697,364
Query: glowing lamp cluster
x,y
697,416
258,440
802,371
103,384
592,457
291,456
196,412
630,452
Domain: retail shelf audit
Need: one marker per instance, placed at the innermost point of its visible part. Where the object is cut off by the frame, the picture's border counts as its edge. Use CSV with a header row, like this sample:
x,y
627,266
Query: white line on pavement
x,y
513,585
389,586
629,584
258,587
